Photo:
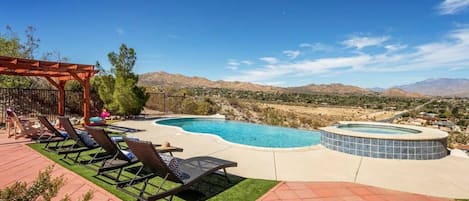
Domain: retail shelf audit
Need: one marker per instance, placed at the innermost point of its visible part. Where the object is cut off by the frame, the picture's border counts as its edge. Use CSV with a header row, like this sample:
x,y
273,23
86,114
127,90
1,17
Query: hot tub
x,y
383,140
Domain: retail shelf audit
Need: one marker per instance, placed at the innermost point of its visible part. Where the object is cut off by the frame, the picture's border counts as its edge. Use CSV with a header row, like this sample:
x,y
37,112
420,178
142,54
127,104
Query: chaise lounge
x,y
82,141
185,172
57,136
120,158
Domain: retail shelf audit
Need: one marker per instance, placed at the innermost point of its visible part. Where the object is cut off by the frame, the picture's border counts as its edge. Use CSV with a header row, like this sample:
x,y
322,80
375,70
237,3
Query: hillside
x,y
330,88
396,92
439,87
167,79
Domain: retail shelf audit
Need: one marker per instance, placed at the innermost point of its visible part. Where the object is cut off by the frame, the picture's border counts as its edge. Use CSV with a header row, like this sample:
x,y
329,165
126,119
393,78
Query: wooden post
x,y
85,83
86,100
61,88
61,105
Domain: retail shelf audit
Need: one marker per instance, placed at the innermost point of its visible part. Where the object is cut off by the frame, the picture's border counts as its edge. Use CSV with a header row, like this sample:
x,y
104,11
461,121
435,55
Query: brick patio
x,y
338,191
18,162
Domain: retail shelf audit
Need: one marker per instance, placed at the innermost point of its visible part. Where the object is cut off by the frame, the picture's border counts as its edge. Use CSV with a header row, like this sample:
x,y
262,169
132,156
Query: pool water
x,y
248,133
377,129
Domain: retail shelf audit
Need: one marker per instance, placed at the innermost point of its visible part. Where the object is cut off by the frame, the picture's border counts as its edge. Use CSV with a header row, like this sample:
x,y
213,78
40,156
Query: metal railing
x,y
31,102
165,103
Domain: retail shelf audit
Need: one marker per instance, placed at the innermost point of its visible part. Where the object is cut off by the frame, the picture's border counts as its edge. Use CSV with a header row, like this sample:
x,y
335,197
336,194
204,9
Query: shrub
x,y
43,188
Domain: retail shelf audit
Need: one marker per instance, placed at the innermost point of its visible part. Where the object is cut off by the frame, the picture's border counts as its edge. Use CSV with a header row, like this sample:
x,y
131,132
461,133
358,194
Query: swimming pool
x,y
247,133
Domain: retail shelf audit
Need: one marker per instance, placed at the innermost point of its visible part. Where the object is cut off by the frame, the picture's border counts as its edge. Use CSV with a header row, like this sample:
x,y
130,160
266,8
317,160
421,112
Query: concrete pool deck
x,y
446,177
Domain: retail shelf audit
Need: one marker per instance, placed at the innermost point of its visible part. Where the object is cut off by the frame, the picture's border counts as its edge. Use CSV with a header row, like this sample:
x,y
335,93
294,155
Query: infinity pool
x,y
248,133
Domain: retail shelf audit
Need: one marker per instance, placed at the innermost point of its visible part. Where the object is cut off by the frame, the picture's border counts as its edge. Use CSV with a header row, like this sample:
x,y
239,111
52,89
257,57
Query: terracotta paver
x,y
18,162
339,191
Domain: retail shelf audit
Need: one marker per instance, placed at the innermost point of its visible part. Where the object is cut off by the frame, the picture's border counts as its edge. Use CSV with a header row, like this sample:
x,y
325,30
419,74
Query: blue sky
x,y
278,42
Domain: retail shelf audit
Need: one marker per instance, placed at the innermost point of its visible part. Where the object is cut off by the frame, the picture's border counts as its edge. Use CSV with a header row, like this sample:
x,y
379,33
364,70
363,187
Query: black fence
x,y
165,103
31,102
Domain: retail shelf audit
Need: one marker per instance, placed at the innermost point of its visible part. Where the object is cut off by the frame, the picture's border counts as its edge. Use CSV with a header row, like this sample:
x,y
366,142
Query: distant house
x,y
456,128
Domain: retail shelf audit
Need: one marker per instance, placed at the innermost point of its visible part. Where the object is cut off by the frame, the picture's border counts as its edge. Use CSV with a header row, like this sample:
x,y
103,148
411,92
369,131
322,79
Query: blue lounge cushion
x,y
64,134
128,154
87,140
81,132
121,139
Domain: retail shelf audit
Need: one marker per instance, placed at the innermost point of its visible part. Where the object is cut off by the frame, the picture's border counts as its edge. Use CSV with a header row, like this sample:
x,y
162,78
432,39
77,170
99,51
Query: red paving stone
x,y
18,162
339,191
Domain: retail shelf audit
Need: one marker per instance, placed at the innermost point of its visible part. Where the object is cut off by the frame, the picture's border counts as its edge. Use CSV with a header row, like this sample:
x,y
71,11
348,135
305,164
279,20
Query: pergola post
x,y
85,83
61,105
86,100
61,88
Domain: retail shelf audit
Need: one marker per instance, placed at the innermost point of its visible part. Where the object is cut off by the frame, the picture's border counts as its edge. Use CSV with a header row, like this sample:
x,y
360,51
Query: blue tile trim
x,y
385,148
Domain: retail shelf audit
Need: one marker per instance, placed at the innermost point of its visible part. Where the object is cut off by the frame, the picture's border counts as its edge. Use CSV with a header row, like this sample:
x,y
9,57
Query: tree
x,y
11,45
118,89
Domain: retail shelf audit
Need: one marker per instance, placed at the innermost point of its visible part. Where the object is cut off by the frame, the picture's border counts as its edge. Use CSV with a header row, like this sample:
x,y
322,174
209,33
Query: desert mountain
x,y
439,87
396,92
167,79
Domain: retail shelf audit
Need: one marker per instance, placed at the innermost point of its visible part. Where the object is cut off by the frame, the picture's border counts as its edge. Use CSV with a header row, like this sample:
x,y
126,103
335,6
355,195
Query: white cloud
x,y
317,47
304,45
233,64
120,31
449,7
292,53
270,60
449,53
395,47
362,42
247,62
232,67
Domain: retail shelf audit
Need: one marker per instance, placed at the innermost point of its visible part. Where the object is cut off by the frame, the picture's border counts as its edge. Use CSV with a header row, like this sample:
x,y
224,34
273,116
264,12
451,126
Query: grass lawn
x,y
212,188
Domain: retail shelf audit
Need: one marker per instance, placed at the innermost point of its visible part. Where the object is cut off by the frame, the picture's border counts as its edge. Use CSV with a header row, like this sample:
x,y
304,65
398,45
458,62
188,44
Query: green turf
x,y
213,187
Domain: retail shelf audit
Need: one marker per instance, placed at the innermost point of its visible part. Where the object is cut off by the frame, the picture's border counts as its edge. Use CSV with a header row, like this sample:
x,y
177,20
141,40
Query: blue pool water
x,y
377,129
248,133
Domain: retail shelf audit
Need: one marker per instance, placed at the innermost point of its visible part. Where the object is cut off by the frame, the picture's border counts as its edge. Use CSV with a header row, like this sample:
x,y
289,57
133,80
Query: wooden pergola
x,y
57,73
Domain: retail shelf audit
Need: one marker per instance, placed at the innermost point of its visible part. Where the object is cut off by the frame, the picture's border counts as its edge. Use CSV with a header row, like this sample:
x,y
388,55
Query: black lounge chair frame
x,y
57,137
193,170
78,146
117,161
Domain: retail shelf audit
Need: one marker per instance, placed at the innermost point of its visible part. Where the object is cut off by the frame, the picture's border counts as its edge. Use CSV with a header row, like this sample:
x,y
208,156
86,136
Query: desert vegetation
x,y
298,110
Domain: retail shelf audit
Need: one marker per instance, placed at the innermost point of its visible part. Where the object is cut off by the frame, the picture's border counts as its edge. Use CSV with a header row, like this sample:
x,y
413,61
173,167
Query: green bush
x,y
43,188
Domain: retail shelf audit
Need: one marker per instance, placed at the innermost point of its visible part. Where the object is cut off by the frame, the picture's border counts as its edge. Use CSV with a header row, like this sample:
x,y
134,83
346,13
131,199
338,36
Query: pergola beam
x,y
64,68
62,72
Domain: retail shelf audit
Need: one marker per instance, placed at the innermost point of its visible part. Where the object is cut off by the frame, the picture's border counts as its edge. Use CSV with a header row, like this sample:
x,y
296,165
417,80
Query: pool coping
x,y
220,139
425,133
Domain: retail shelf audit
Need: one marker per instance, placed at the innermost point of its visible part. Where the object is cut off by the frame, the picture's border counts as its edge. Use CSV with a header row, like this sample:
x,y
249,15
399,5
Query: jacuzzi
x,y
384,140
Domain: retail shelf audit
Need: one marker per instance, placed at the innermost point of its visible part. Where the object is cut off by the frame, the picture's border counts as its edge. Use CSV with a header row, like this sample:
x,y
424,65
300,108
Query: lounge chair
x,y
120,158
24,128
56,135
185,172
82,141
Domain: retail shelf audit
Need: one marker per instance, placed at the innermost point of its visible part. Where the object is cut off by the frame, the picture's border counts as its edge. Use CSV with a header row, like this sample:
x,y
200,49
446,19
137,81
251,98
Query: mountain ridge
x,y
166,79
448,87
